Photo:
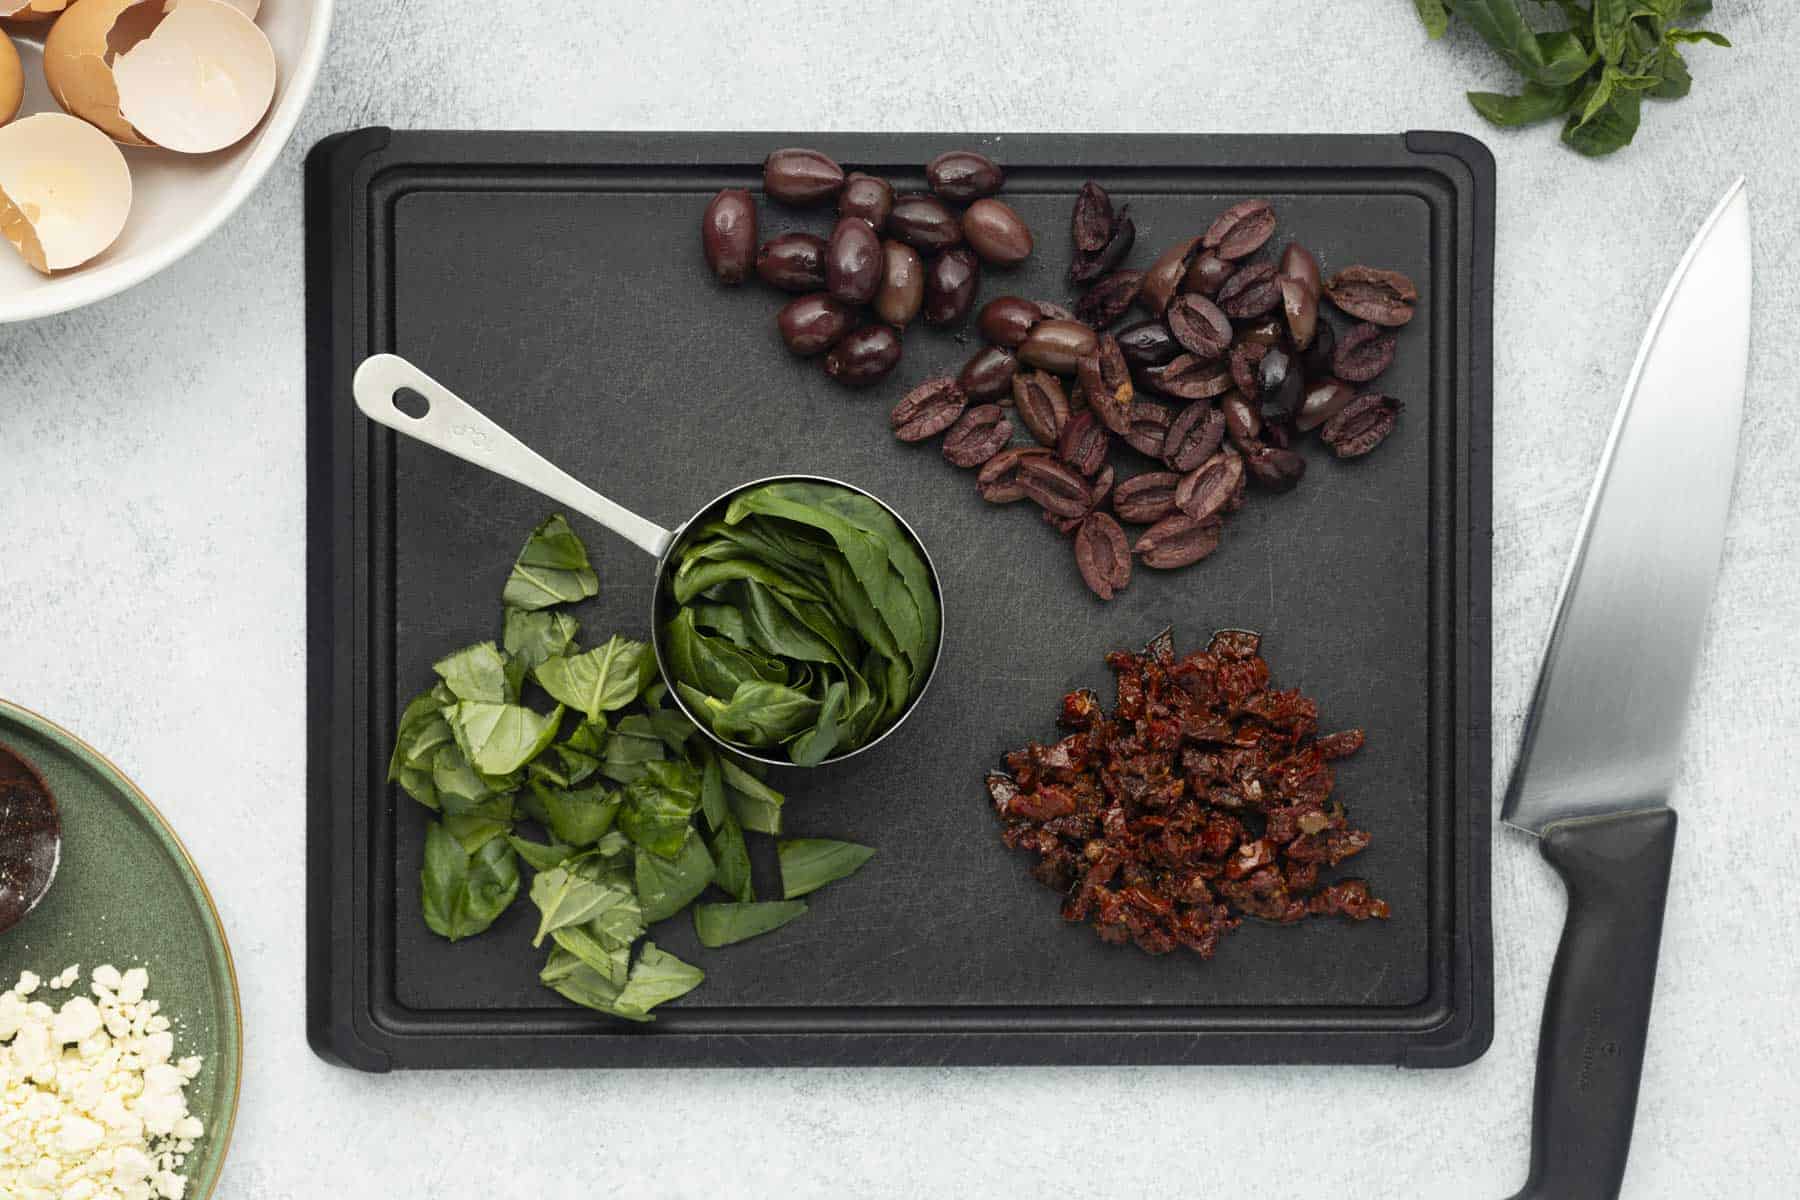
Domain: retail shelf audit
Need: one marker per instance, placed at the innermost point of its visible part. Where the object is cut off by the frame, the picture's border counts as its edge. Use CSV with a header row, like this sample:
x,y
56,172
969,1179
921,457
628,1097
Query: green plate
x,y
128,894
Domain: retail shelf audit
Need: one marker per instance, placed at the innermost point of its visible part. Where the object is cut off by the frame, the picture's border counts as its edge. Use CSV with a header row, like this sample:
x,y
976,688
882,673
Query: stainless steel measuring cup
x,y
453,425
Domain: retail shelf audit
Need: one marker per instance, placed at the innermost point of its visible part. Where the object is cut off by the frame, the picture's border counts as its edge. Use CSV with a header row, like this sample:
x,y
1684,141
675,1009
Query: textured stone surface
x,y
151,535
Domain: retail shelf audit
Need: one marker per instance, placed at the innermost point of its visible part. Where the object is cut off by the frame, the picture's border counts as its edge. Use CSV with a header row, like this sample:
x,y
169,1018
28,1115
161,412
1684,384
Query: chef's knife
x,y
1602,742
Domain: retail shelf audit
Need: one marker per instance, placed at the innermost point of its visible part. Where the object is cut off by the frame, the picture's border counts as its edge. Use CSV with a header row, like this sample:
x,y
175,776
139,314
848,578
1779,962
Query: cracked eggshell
x,y
200,81
31,10
248,7
12,80
77,69
64,190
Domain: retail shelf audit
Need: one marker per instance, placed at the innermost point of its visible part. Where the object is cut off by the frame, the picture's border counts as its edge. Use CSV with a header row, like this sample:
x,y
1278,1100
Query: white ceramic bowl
x,y
177,199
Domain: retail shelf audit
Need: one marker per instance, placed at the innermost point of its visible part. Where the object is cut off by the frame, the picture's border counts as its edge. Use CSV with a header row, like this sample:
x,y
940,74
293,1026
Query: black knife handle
x,y
1591,1047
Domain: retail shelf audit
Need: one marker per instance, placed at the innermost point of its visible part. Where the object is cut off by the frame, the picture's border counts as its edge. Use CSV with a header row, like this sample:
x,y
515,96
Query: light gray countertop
x,y
152,556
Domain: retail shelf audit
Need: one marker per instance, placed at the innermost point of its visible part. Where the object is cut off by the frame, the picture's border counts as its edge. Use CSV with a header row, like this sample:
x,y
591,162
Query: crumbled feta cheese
x,y
92,1103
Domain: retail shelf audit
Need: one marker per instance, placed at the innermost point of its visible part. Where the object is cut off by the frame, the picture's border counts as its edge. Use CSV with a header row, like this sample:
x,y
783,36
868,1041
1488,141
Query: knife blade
x,y
1603,736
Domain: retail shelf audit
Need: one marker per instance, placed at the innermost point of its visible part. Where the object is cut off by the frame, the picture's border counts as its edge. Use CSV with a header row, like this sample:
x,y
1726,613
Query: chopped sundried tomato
x,y
1201,799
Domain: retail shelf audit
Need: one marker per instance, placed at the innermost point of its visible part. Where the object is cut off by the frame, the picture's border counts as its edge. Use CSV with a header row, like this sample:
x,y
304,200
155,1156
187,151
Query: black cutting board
x,y
555,281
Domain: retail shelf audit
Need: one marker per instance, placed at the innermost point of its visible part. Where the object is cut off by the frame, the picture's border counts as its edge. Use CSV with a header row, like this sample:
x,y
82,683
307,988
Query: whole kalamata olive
x,y
1058,345
923,223
803,178
793,262
988,374
864,355
867,196
853,261
1006,320
963,175
998,233
728,235
811,324
902,284
950,285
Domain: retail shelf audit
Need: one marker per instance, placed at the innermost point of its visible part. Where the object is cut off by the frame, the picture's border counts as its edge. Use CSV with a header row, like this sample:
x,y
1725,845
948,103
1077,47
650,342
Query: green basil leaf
x,y
1696,35
756,805
765,714
1673,80
531,638
715,665
902,554
632,744
1611,20
498,739
461,893
722,924
1435,16
656,978
1565,59
1598,96
1534,103
603,679
1608,130
472,831
808,864
774,630
665,887
672,728
577,817
712,790
476,672
659,808
581,752
581,890
701,573
541,857
578,982
815,745
551,569
1551,59
422,732
731,860
722,619
465,791
866,552
611,962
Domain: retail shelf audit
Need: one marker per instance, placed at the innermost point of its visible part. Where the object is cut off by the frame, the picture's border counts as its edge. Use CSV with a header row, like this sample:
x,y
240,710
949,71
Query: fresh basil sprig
x,y
639,816
1594,73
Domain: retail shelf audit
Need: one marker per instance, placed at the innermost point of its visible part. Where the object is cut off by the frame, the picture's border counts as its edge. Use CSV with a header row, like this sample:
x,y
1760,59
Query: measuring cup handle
x,y
453,425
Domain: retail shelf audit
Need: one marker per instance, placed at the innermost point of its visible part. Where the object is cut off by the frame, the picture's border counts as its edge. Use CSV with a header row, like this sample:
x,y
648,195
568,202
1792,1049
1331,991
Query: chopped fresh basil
x,y
626,817
722,924
551,569
462,892
808,864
